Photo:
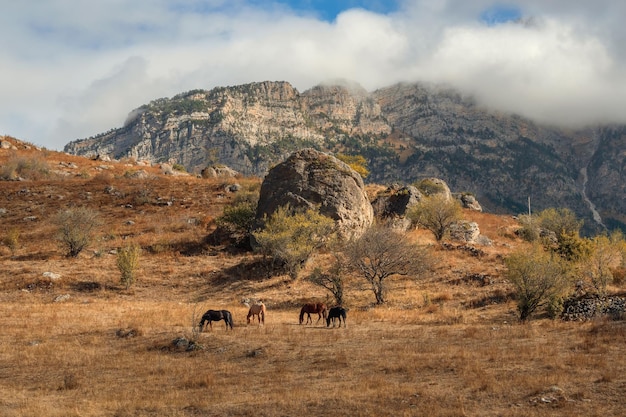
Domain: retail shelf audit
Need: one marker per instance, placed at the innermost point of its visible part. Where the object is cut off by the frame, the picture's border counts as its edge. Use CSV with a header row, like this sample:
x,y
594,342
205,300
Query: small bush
x,y
538,277
529,230
290,237
437,214
237,221
31,168
356,162
11,239
75,228
127,263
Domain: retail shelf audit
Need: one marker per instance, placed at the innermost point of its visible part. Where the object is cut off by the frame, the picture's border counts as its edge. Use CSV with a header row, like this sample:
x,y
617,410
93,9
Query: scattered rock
x,y
468,201
52,276
61,298
137,175
233,188
182,343
218,172
127,333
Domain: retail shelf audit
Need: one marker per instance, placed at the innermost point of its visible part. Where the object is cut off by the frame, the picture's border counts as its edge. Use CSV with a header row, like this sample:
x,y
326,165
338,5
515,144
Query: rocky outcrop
x,y
312,179
468,201
395,200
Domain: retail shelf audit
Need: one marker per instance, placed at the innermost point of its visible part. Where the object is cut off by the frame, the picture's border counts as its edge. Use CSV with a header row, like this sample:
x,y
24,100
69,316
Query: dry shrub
x,y
127,263
30,167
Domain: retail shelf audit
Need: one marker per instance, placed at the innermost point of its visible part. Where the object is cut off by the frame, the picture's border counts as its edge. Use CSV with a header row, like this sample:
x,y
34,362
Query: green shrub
x,y
529,230
237,220
539,277
291,236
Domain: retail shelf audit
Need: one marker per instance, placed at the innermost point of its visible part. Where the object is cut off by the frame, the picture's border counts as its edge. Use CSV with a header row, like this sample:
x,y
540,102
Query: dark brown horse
x,y
216,315
319,308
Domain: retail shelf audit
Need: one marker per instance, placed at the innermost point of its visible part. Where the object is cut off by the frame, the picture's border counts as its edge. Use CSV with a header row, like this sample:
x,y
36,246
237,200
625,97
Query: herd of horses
x,y
258,310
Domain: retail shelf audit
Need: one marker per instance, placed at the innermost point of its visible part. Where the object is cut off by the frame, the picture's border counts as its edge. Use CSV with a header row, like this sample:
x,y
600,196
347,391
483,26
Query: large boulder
x,y
312,179
395,200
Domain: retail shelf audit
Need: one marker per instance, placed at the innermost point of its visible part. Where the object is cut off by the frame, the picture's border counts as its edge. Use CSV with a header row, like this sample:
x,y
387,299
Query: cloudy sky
x,y
74,68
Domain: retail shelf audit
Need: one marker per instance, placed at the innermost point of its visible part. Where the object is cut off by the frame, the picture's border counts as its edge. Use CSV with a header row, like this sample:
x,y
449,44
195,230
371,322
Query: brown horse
x,y
319,308
257,310
216,315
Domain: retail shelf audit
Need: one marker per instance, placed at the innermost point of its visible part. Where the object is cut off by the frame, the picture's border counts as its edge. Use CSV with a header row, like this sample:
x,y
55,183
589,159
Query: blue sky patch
x,y
499,14
329,9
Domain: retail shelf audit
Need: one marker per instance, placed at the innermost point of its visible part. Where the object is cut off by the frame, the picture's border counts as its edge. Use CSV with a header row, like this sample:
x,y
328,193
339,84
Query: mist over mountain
x,y
405,131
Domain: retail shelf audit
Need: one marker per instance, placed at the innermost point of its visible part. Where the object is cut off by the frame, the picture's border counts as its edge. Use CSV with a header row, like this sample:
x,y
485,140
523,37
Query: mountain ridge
x,y
406,132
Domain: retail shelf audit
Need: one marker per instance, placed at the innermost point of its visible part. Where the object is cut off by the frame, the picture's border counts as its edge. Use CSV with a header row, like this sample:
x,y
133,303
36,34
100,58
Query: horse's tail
x,y
262,313
301,315
249,314
229,318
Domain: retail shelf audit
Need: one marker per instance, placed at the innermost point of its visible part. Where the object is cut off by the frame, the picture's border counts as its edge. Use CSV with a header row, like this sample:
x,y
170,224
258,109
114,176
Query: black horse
x,y
217,315
336,313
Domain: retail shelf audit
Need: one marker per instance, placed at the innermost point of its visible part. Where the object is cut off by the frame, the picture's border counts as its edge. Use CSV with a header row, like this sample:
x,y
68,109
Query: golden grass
x,y
446,344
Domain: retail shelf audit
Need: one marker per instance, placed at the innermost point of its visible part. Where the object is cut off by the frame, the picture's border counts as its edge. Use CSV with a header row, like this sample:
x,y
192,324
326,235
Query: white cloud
x,y
72,69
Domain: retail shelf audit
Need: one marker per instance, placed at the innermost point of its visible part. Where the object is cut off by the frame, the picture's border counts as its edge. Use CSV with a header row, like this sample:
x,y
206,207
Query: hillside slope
x,y
77,342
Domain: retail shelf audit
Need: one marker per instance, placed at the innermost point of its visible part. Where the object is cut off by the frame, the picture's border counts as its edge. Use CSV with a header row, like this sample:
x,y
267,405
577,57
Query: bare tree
x,y
75,228
436,213
331,280
383,252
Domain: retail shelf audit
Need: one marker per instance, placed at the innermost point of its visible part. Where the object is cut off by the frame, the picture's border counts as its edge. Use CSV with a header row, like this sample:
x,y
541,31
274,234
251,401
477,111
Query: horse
x,y
257,310
319,308
216,315
336,313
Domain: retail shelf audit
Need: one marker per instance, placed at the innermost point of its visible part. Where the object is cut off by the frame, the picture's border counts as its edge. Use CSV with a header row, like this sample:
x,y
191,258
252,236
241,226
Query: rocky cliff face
x,y
406,132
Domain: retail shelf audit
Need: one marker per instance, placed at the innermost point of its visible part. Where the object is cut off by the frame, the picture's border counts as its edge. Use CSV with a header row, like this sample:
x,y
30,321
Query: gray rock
x,y
309,179
468,201
395,201
61,298
465,231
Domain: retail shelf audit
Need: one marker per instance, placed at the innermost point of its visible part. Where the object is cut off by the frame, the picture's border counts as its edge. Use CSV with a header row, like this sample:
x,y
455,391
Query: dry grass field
x,y
448,344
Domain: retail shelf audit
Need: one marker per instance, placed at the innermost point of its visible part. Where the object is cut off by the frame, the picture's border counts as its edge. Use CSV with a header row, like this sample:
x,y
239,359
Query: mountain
x,y
405,131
